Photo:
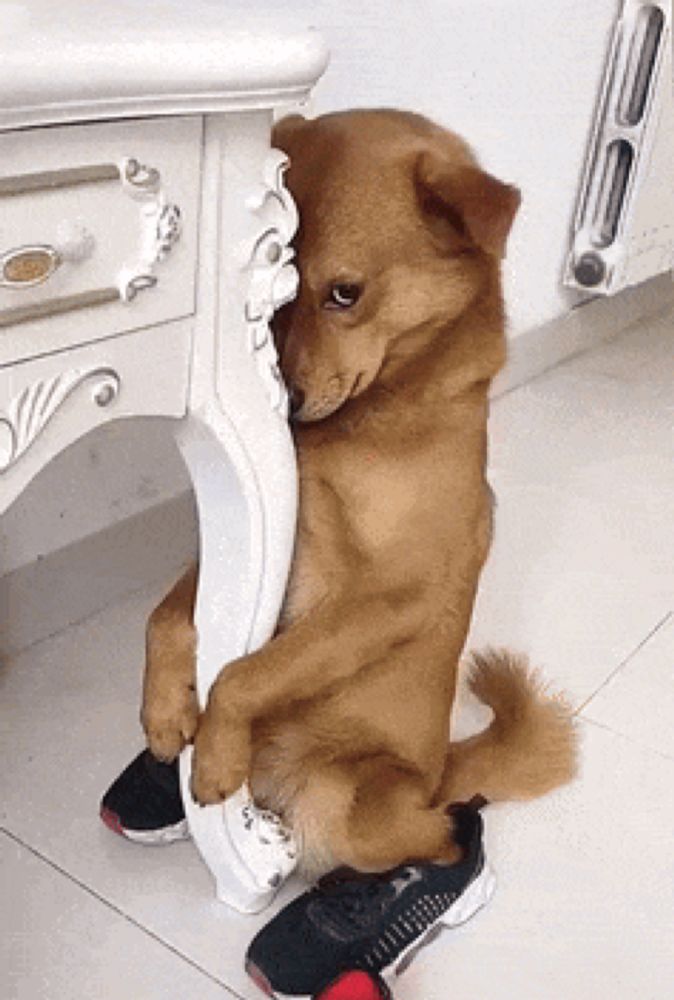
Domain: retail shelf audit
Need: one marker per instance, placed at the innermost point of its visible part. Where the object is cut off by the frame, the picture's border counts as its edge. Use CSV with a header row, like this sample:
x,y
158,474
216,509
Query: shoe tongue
x,y
337,876
353,986
467,826
349,911
161,774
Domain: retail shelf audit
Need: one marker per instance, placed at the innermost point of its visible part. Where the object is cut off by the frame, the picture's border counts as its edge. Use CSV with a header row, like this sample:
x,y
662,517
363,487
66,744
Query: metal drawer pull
x,y
27,266
57,306
49,180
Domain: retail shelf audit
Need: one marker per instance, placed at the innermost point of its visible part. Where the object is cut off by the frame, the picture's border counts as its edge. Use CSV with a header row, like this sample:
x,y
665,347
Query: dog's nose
x,y
297,397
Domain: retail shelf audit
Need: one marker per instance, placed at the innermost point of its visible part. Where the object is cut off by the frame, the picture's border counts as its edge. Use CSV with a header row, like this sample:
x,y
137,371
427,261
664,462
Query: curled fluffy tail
x,y
529,748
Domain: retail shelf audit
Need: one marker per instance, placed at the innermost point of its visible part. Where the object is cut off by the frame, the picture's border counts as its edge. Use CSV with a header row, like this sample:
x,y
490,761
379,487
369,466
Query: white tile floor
x,y
581,576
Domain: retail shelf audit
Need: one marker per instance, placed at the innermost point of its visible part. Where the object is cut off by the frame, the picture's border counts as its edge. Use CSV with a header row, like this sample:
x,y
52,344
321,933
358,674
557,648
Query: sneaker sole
x,y
476,896
149,838
470,902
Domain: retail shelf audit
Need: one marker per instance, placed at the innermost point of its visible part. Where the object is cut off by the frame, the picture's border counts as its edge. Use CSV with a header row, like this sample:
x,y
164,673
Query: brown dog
x,y
341,721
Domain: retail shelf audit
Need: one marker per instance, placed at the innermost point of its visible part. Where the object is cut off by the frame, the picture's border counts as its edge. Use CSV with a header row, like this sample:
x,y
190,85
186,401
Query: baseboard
x,y
585,327
71,584
74,582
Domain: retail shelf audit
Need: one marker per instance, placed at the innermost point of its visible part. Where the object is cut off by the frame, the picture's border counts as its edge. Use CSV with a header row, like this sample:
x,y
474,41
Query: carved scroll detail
x,y
272,278
29,413
161,221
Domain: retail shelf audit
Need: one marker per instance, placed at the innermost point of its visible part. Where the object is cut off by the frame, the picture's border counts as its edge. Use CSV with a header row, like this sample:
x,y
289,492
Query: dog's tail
x,y
529,748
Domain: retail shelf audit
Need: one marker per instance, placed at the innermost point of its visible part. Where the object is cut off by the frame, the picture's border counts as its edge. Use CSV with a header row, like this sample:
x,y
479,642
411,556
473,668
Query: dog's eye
x,y
343,295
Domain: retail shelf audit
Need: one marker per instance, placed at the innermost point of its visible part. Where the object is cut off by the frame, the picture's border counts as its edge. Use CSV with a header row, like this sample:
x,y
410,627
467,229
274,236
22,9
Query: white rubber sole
x,y
158,838
476,896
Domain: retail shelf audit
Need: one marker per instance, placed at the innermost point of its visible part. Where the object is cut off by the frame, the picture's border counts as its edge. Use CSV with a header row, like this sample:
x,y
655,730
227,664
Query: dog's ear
x,y
479,205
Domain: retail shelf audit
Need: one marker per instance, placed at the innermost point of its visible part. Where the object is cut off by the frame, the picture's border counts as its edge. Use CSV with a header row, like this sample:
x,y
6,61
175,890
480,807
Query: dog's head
x,y
400,231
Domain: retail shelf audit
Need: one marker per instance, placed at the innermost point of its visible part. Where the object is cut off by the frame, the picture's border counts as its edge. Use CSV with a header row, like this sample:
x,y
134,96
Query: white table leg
x,y
237,447
246,529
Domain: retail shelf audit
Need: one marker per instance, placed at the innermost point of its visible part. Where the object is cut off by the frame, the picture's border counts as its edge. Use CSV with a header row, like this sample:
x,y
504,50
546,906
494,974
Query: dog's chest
x,y
366,515
388,499
381,510
320,559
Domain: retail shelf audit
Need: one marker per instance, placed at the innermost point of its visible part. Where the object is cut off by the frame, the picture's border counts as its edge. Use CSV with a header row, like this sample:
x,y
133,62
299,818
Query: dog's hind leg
x,y
370,815
170,711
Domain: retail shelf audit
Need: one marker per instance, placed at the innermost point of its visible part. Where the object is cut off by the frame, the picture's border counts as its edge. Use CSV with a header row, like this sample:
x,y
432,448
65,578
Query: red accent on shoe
x,y
259,978
354,985
112,821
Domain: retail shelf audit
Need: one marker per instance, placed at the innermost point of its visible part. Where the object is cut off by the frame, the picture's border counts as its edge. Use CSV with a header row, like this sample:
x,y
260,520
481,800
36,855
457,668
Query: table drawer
x,y
98,231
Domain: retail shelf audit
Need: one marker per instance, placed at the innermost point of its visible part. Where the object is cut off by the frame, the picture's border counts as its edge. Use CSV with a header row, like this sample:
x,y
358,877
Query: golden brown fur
x,y
341,721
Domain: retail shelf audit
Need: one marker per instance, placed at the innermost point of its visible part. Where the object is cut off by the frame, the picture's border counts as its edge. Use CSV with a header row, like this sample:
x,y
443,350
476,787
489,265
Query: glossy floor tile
x,y
73,707
580,576
58,940
585,895
581,463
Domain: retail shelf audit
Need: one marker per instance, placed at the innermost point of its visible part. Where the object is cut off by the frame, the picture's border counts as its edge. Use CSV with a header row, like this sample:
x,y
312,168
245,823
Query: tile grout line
x,y
623,663
643,747
76,623
127,595
125,916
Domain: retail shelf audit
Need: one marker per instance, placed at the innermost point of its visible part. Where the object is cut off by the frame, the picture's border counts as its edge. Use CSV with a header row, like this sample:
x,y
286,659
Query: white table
x,y
144,226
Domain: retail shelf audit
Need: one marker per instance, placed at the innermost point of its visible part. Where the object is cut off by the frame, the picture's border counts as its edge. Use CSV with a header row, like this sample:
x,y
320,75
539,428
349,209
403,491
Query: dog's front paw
x,y
170,722
221,761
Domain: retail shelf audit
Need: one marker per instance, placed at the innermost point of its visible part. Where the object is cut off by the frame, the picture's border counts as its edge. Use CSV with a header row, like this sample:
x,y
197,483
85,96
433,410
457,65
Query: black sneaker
x,y
145,804
373,923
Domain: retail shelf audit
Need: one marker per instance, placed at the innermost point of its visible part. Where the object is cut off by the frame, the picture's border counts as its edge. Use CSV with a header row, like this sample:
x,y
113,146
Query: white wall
x,y
518,78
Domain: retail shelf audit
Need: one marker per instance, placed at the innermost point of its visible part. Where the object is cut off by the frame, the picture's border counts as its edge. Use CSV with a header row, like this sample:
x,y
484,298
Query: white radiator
x,y
623,229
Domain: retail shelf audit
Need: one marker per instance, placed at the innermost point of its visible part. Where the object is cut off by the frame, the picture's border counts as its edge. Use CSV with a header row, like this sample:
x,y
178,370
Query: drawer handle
x,y
25,267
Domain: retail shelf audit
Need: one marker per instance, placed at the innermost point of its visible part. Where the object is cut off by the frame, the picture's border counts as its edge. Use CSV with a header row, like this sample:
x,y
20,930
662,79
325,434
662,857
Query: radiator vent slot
x,y
614,181
643,53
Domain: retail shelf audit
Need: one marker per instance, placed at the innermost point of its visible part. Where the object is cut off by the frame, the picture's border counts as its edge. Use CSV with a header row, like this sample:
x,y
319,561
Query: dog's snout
x,y
297,397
